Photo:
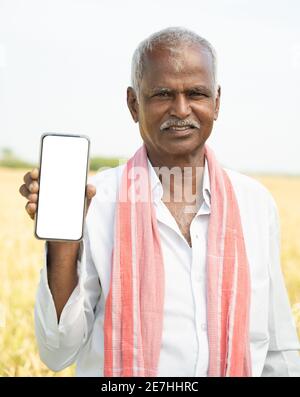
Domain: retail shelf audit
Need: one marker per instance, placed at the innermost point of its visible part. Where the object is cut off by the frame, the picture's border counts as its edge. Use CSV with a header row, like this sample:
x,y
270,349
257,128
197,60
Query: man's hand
x,y
30,190
62,255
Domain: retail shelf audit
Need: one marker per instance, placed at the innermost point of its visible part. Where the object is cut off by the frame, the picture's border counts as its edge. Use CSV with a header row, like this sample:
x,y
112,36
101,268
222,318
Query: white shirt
x,y
184,349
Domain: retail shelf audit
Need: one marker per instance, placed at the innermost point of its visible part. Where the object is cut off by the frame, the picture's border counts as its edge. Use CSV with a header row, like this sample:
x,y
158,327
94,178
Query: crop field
x,y
21,258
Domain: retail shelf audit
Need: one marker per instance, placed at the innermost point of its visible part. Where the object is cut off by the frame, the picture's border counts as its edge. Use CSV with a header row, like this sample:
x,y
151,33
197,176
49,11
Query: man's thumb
x,y
90,193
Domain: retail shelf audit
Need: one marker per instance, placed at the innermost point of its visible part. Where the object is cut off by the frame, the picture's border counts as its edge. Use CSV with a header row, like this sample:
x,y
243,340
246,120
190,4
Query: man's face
x,y
176,96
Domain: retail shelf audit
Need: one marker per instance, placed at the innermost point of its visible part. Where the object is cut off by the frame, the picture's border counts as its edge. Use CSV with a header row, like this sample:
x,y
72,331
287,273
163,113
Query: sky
x,y
65,67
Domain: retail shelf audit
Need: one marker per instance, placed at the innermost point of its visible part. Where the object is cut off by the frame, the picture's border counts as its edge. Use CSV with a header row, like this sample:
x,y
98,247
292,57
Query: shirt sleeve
x,y
283,353
60,343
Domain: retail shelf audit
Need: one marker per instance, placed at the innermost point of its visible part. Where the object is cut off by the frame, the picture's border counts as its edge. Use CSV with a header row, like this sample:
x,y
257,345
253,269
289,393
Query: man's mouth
x,y
179,131
179,128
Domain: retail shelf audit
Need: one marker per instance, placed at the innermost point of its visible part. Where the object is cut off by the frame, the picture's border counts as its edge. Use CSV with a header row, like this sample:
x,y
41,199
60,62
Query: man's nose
x,y
180,106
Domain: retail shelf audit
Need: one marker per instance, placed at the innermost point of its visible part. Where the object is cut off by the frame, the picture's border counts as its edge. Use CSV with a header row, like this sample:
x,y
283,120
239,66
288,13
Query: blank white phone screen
x,y
62,183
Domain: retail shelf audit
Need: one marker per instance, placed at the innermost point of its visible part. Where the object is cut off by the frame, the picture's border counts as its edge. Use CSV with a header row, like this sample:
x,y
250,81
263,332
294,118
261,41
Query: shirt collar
x,y
157,189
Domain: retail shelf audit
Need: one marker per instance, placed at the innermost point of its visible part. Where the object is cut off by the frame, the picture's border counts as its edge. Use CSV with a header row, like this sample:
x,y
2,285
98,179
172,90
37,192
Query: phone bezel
x,y
86,177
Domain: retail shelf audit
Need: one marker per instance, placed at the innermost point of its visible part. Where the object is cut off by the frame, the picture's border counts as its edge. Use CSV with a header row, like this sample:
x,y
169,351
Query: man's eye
x,y
162,94
197,94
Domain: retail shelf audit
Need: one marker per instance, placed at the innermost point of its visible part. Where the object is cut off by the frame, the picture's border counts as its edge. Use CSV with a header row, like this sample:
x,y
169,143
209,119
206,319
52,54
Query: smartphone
x,y
61,205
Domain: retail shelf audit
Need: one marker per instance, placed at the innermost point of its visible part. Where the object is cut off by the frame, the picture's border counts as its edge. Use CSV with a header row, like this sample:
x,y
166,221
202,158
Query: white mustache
x,y
179,123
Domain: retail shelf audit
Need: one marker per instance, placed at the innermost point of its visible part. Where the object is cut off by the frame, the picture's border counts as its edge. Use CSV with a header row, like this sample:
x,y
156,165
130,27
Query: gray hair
x,y
170,38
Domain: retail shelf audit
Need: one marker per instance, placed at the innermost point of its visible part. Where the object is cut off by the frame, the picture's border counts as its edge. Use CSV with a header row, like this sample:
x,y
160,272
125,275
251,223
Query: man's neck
x,y
181,176
191,160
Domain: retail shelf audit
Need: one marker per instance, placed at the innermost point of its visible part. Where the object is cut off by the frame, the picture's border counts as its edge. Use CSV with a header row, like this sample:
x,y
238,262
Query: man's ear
x,y
132,103
217,103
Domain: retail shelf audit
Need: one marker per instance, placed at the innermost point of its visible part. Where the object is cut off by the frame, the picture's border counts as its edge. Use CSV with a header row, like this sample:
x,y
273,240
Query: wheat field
x,y
21,260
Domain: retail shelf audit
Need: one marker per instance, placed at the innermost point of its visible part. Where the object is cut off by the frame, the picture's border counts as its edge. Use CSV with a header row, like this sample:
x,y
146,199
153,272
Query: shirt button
x,y
197,236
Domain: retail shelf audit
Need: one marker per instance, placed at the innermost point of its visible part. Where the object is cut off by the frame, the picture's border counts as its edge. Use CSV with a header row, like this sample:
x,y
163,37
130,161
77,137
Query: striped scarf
x,y
134,307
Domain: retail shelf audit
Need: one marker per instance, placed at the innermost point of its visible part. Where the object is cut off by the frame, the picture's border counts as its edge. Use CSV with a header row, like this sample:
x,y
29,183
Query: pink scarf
x,y
135,304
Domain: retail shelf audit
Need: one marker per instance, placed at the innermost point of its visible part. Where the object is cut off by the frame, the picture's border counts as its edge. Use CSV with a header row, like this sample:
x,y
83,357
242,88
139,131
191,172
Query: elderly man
x,y
179,272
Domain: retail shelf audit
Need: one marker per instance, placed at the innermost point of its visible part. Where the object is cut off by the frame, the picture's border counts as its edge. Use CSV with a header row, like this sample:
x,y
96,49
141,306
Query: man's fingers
x,y
33,197
33,187
34,173
31,175
27,178
90,191
30,208
31,180
24,191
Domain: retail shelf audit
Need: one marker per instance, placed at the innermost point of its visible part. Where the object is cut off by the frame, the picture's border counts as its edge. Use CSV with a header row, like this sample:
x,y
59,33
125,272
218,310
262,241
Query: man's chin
x,y
180,147
180,141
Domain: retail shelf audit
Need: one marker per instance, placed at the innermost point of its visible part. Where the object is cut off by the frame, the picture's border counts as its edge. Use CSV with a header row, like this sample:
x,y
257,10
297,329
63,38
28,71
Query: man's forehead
x,y
193,64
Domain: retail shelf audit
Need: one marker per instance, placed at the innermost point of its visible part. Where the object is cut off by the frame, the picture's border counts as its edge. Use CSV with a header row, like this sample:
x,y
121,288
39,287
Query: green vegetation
x,y
108,162
9,159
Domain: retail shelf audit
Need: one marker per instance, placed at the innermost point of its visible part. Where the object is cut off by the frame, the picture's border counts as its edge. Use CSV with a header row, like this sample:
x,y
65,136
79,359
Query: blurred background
x,y
65,66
